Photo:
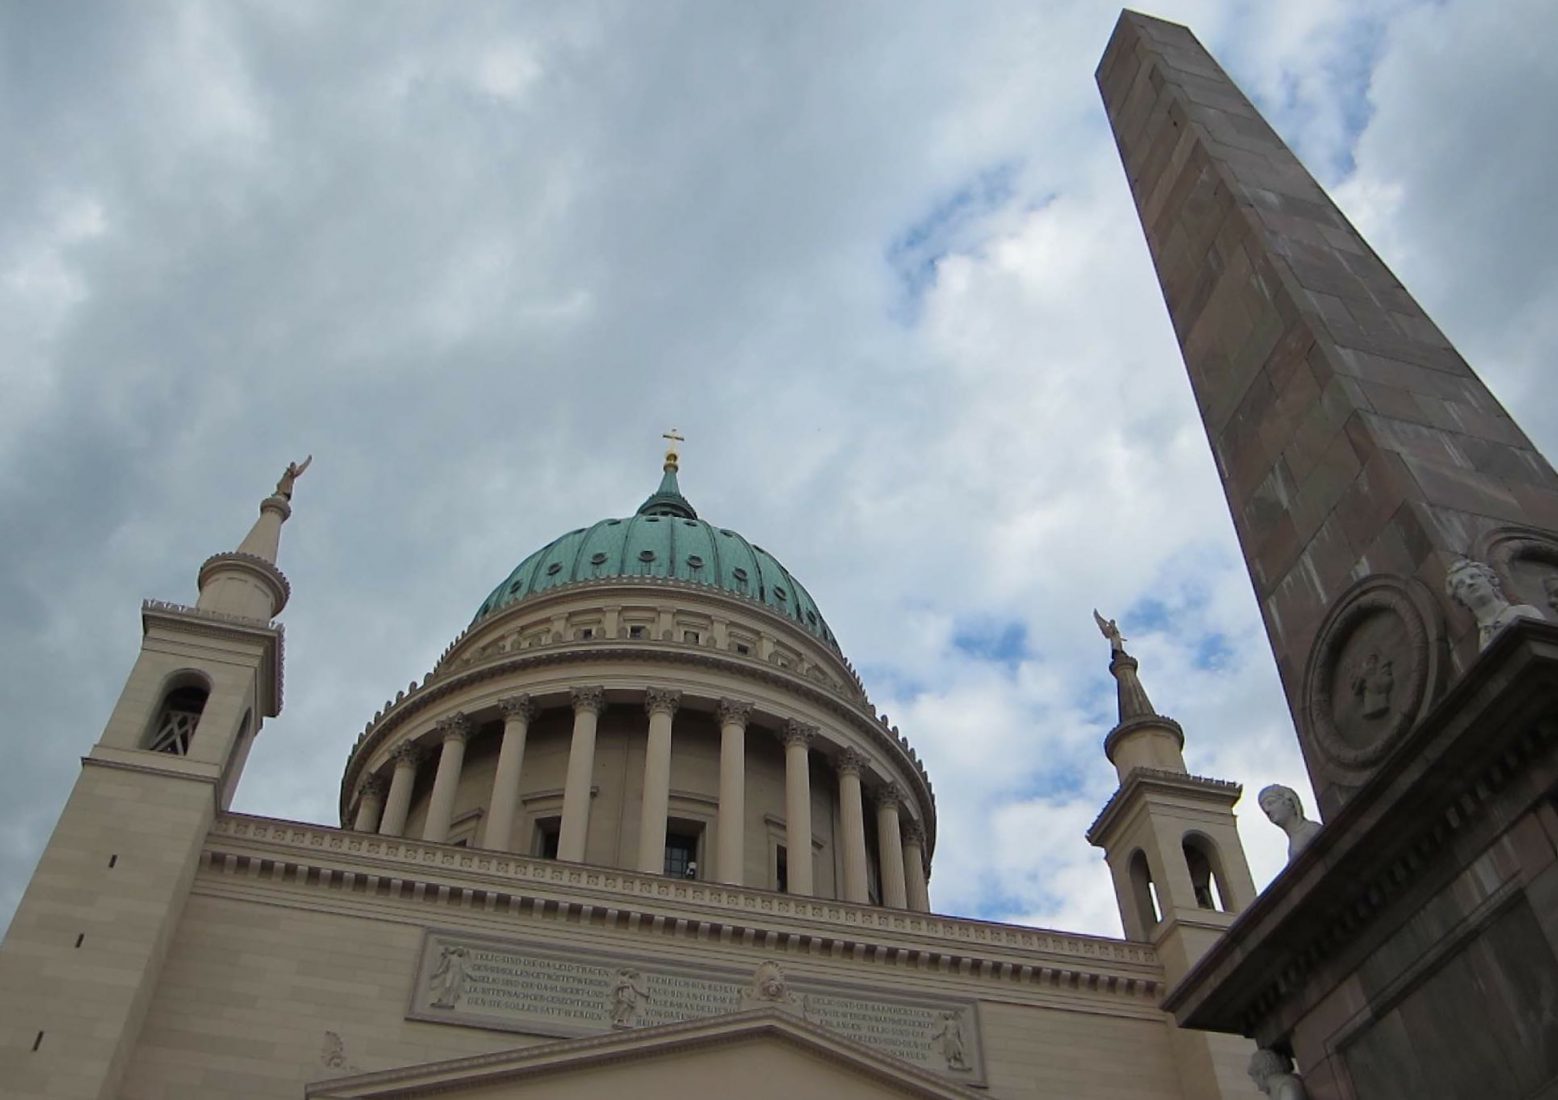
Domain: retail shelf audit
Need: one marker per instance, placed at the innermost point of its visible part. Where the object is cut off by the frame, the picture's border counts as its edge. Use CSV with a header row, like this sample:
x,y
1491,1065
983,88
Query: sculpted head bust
x,y
1273,1074
1285,810
1475,586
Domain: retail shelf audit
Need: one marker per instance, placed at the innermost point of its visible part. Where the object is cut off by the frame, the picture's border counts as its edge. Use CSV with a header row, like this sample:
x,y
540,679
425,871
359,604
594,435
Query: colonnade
x,y
901,845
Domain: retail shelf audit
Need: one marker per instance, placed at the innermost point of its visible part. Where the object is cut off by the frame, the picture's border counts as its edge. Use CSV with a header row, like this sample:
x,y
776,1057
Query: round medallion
x,y
1374,669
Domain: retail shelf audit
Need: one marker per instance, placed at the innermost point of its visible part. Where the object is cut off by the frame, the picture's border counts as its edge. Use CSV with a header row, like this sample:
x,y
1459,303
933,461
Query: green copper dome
x,y
664,539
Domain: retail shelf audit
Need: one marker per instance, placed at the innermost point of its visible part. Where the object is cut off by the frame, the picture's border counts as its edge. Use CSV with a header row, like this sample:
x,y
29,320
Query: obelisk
x,y
1360,454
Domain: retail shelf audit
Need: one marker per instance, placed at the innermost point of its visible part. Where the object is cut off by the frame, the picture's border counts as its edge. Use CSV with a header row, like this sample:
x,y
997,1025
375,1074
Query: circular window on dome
x,y
555,568
613,522
597,558
739,574
778,593
516,587
652,519
811,617
694,561
646,555
689,523
727,534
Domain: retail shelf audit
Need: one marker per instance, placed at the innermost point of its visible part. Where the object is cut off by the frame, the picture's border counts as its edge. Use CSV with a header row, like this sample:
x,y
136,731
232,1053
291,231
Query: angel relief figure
x,y
949,1034
628,997
448,978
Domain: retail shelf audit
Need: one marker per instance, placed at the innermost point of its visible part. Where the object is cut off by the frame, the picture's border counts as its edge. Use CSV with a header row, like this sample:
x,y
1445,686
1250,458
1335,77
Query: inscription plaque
x,y
514,986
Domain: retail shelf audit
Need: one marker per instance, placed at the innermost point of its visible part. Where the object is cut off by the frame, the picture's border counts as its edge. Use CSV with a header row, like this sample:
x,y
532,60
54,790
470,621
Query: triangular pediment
x,y
762,1055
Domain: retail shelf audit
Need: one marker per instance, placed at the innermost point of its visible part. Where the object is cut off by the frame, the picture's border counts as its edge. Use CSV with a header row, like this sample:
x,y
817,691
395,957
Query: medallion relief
x,y
1374,669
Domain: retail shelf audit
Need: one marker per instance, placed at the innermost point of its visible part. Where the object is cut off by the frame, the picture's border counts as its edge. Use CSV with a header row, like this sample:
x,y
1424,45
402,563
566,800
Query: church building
x,y
640,833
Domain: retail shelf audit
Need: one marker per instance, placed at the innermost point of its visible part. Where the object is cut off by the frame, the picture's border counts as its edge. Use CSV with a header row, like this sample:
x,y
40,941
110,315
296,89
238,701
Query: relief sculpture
x,y
448,977
628,996
1371,683
949,1034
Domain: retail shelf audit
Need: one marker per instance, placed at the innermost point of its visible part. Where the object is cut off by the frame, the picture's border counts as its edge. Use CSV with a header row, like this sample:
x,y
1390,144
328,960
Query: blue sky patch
x,y
951,224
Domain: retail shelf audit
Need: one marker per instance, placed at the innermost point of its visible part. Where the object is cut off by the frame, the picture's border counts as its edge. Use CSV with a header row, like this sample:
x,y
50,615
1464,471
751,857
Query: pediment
x,y
762,1055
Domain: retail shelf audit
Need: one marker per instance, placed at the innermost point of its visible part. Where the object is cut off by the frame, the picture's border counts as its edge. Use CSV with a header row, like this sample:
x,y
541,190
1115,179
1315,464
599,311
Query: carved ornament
x,y
797,733
850,762
591,699
456,727
733,712
408,754
662,700
520,708
1374,670
372,787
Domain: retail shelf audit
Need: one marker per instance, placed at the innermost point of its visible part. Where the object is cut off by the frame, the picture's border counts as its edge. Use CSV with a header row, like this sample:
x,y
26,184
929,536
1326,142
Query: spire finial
x,y
672,459
293,471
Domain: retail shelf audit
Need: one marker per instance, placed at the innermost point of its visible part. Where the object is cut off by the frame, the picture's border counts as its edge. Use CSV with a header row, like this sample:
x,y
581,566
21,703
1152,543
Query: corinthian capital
x,y
891,795
914,833
456,727
372,787
592,699
797,733
733,712
662,700
850,762
407,754
518,708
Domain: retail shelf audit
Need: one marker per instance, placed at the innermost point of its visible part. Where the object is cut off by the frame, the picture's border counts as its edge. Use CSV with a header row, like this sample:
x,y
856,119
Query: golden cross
x,y
673,437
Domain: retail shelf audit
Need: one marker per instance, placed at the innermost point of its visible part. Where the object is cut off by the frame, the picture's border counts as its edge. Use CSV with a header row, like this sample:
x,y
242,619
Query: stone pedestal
x,y
1412,949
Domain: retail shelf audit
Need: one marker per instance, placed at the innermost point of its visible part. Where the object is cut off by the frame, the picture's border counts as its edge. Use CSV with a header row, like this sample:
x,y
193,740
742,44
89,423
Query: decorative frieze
x,y
512,985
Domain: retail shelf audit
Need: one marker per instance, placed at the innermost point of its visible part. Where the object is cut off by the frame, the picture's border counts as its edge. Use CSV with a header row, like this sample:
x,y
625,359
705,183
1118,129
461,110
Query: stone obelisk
x,y
1351,438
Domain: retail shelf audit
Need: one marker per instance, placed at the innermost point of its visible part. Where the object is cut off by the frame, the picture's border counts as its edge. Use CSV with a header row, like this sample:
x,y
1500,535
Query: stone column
x,y
731,824
853,818
889,847
518,712
797,738
408,757
588,702
453,731
918,889
370,804
654,804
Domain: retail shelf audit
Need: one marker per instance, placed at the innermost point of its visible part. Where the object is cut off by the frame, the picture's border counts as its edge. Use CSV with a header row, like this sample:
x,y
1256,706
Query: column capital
x,y
661,700
592,699
520,707
372,787
733,712
456,727
407,754
914,833
891,795
850,762
797,733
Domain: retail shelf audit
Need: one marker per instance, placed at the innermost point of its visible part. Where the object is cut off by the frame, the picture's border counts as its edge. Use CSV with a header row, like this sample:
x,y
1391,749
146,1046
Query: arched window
x,y
1206,873
1144,892
182,704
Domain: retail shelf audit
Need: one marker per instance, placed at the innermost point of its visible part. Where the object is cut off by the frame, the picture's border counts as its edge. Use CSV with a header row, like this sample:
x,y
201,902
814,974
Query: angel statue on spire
x,y
1109,630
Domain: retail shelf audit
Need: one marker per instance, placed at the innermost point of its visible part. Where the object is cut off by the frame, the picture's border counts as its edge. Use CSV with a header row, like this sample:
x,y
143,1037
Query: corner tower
x,y
1172,844
84,950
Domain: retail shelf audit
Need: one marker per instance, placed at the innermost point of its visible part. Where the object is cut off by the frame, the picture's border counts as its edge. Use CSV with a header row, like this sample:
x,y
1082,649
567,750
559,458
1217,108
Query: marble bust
x,y
1281,804
1475,586
1273,1075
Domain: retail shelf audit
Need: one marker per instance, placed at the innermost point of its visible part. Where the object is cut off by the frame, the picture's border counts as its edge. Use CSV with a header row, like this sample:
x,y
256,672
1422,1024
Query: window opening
x,y
681,855
548,829
180,714
635,632
781,870
690,637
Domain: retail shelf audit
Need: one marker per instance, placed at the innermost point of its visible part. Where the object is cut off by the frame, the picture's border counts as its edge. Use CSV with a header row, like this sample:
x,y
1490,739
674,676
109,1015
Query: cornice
x,y
271,635
262,569
1221,791
375,867
407,706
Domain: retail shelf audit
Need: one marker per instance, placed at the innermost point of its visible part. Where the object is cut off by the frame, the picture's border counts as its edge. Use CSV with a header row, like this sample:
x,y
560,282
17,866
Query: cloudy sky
x,y
877,261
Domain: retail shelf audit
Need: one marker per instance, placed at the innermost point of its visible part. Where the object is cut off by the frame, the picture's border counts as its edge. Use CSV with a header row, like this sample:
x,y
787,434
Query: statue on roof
x,y
1110,630
293,471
